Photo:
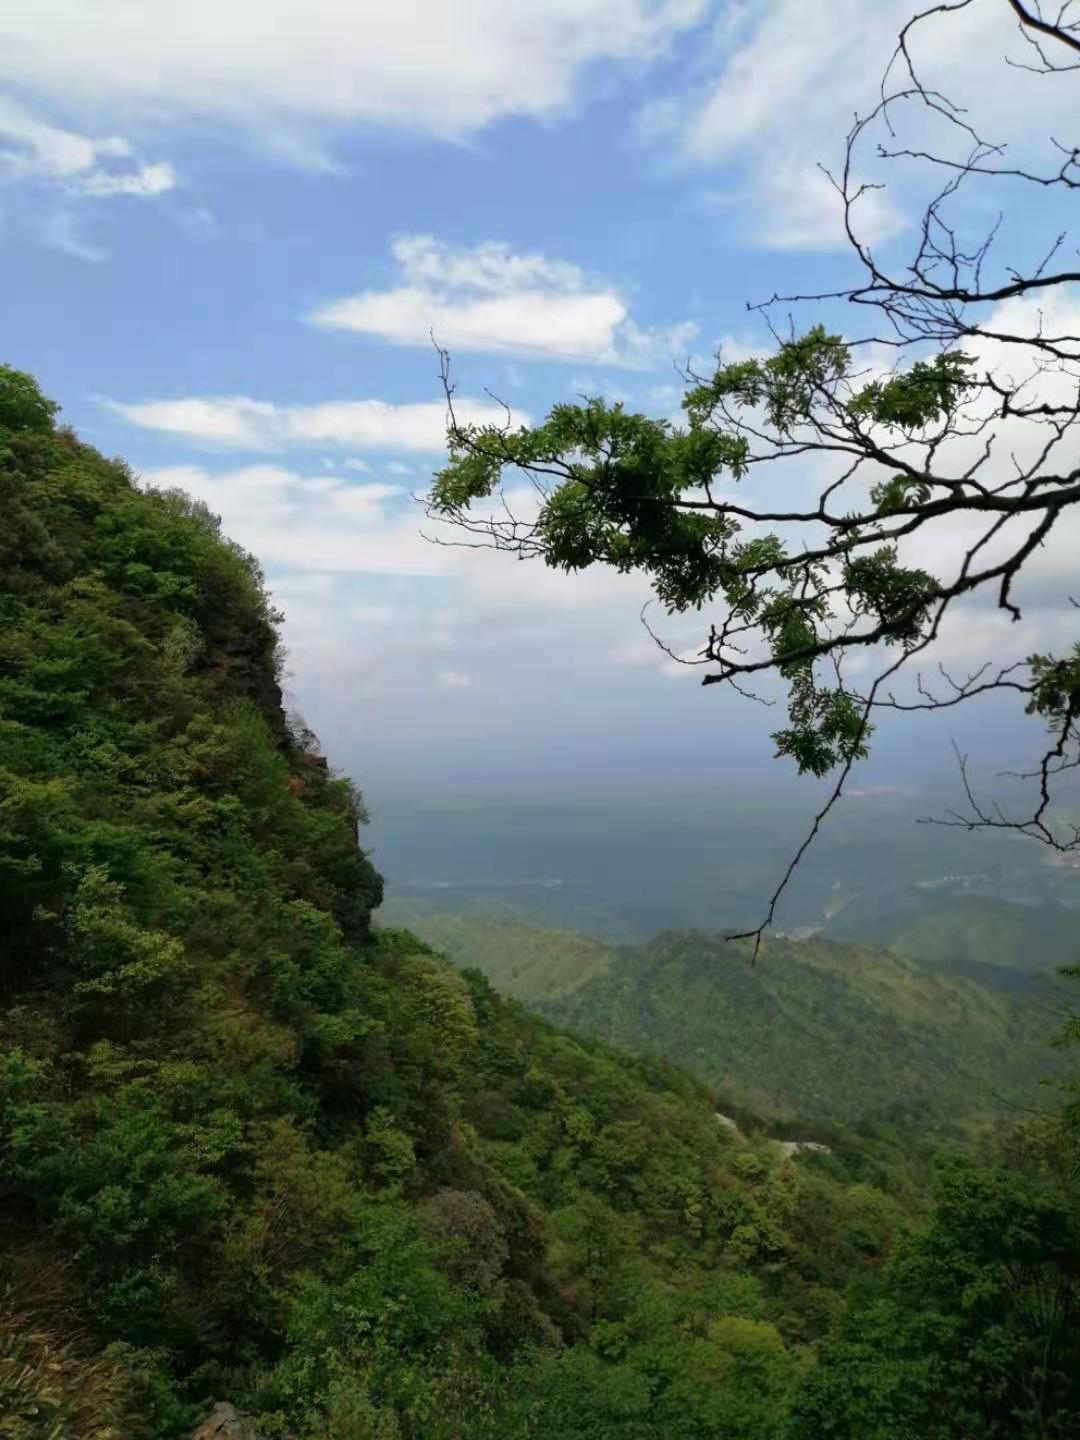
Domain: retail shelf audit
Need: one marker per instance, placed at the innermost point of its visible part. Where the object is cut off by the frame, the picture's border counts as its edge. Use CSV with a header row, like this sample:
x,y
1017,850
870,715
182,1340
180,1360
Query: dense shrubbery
x,y
250,1150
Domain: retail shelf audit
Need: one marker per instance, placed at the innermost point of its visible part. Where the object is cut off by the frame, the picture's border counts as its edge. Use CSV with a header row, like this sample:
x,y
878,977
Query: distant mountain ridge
x,y
818,1029
522,958
998,943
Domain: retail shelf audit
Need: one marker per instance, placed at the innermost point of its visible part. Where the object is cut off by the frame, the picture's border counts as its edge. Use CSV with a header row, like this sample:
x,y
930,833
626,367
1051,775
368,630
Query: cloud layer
x,y
291,72
79,165
777,91
295,521
490,298
237,422
382,624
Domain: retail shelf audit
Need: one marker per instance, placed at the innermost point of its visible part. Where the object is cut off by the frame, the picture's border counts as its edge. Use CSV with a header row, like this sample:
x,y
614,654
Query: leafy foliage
x,y
969,1331
638,494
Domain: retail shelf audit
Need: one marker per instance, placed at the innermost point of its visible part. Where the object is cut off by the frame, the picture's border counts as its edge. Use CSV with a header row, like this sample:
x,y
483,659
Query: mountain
x,y
257,1154
822,1031
530,961
816,1030
946,927
251,1150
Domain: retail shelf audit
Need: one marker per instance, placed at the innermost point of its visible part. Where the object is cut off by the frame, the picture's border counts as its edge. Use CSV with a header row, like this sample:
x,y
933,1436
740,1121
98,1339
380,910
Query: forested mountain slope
x,y
816,1030
250,1150
825,1031
522,958
995,942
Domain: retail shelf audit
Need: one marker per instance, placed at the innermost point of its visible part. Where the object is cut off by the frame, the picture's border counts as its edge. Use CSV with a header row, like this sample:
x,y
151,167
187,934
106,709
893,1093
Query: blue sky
x,y
228,227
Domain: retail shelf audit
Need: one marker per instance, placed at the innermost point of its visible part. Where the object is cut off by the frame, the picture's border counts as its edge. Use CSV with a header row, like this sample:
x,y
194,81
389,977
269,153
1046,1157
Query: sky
x,y
230,229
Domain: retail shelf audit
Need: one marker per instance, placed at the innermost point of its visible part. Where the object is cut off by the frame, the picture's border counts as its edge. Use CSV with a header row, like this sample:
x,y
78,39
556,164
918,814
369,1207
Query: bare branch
x,y
1064,34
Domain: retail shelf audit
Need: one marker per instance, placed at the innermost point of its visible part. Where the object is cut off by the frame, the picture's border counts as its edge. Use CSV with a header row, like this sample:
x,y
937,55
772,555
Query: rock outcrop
x,y
225,1422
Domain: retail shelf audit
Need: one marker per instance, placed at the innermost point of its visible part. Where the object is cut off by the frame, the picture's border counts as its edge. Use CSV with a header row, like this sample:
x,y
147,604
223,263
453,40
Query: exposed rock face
x,y
787,1147
803,1147
225,1422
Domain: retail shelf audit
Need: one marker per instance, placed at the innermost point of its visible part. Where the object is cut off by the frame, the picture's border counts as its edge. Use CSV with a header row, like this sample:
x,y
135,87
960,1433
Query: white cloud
x,y
60,231
291,73
311,523
490,298
372,614
316,525
237,422
79,165
147,180
231,421
1049,574
974,635
67,169
800,209
775,97
778,90
640,651
376,611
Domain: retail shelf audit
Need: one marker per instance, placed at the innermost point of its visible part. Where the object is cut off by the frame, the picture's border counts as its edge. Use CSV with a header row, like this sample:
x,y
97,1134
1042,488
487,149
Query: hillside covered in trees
x,y
920,1036
1002,945
252,1149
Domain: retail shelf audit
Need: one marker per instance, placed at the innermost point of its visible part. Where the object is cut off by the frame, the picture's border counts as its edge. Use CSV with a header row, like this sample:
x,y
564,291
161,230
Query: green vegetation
x,y
250,1149
970,1330
1000,944
823,1031
528,961
841,1034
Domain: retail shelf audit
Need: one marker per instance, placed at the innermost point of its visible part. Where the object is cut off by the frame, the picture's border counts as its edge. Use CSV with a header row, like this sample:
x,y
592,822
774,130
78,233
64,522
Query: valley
x,y
933,1031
